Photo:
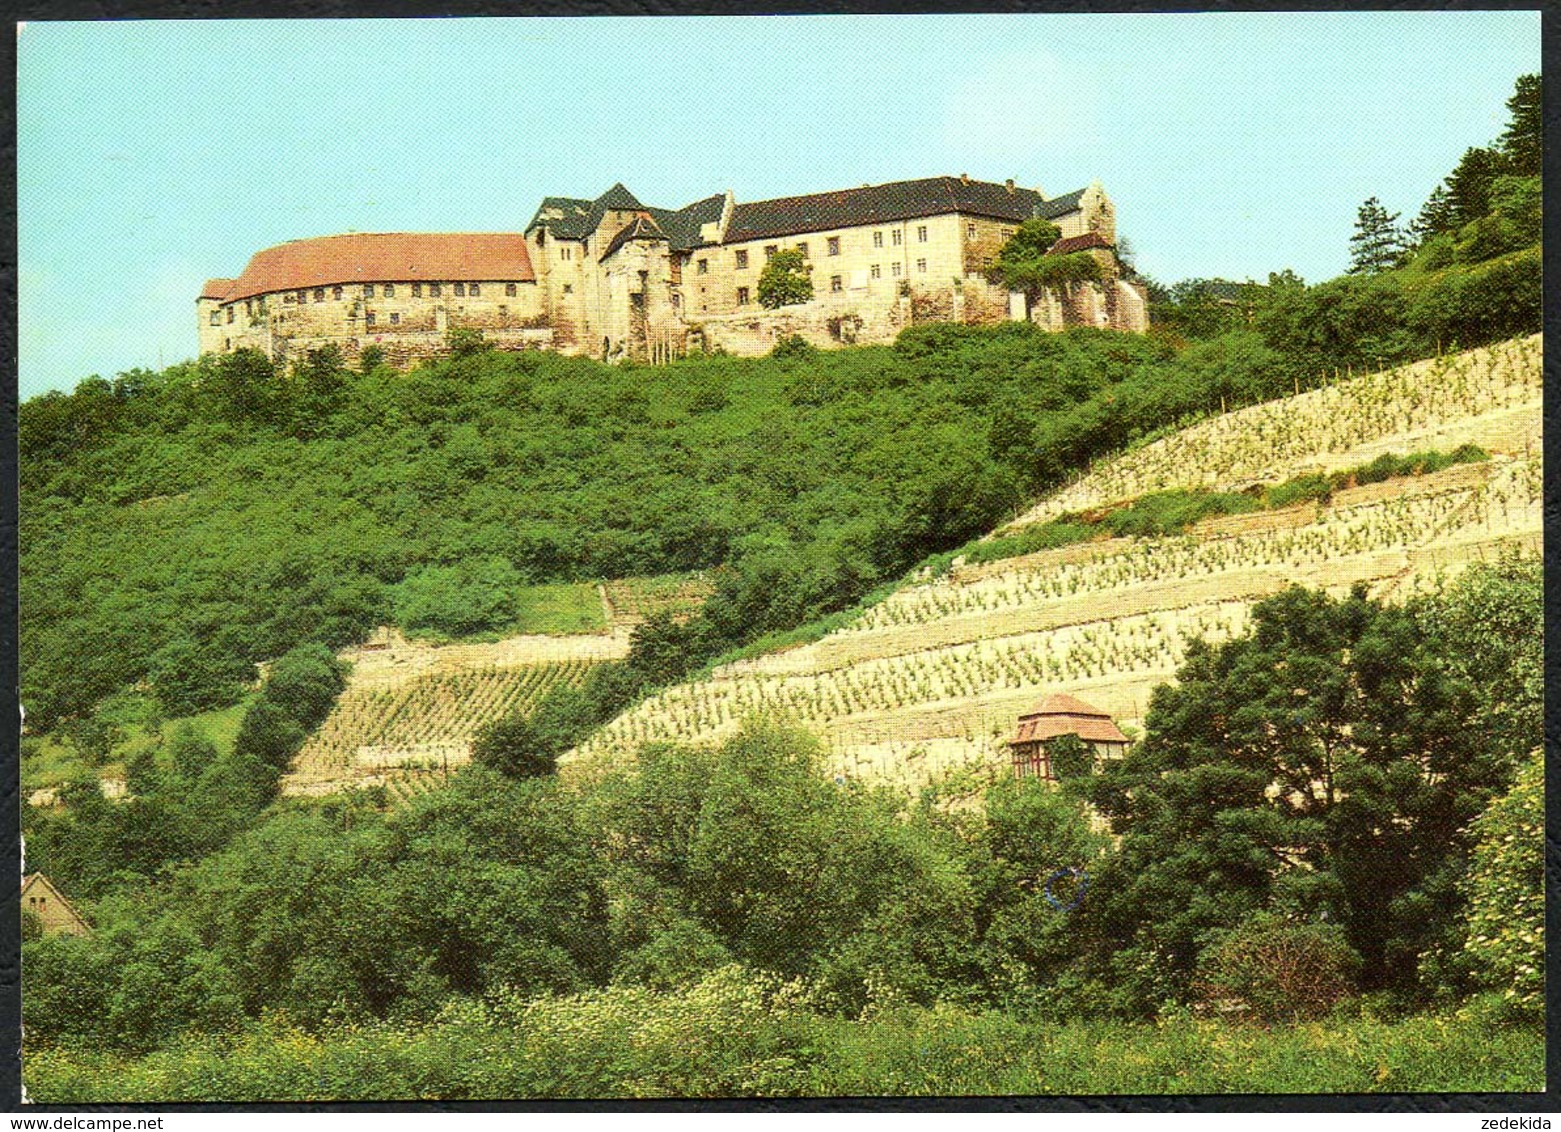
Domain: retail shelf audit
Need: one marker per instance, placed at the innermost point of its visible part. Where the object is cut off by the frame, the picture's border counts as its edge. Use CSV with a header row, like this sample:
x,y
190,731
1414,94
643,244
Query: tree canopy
x,y
1325,765
1377,243
786,279
1023,265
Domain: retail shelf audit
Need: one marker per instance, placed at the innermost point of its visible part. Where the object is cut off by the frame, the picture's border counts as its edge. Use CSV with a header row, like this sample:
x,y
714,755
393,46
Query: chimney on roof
x,y
1009,184
964,178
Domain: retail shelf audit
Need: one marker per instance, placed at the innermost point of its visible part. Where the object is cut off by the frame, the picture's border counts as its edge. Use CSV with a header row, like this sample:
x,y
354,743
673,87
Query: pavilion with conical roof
x,y
1061,714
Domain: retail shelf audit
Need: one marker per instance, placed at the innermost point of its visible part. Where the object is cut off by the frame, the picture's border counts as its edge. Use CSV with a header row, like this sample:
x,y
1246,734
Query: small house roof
x,y
217,288
642,227
1078,243
1062,714
38,880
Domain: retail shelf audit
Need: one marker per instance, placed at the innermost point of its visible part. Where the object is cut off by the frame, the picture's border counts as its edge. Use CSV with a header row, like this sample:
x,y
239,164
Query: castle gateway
x,y
615,278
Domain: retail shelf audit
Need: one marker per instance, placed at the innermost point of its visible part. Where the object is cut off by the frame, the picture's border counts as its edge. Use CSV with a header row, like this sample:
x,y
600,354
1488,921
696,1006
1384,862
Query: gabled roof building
x,y
614,277
1057,715
56,915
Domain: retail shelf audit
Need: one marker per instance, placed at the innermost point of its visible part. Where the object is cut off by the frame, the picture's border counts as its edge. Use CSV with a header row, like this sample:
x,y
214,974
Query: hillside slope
x,y
933,678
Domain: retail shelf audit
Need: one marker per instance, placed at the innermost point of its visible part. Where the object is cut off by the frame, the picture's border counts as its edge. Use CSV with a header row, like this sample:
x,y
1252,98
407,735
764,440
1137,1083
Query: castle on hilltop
x,y
614,278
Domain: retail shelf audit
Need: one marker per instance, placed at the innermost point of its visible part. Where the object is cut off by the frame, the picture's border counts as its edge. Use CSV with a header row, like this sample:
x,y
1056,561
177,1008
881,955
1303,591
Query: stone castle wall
x,y
646,302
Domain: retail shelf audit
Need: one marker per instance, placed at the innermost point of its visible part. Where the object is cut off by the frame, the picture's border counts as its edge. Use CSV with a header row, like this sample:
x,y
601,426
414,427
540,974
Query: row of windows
x,y
371,318
387,290
837,282
831,246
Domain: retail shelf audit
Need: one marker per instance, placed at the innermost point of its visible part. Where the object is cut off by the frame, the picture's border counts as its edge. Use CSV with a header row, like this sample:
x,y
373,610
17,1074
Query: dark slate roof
x,y
565,218
1059,206
619,198
642,227
570,218
682,226
882,204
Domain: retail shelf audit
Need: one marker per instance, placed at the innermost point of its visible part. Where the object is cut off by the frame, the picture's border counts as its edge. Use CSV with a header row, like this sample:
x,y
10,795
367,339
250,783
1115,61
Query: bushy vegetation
x,y
738,1033
1300,833
186,799
636,891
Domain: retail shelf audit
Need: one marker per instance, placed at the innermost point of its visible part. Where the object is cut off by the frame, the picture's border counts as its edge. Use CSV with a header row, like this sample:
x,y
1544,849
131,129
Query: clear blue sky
x,y
153,155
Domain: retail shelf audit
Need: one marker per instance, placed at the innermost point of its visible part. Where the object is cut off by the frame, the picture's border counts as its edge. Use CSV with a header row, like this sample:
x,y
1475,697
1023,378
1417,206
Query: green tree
x,y
1377,243
1486,626
1435,216
469,597
189,677
190,752
1325,763
1522,143
95,738
786,279
1469,186
1071,757
269,733
305,682
512,746
319,389
464,341
1022,264
1499,946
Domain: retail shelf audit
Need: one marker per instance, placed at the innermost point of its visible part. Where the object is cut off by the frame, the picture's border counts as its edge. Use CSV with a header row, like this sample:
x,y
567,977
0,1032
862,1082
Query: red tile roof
x,y
1060,714
217,288
385,257
1078,243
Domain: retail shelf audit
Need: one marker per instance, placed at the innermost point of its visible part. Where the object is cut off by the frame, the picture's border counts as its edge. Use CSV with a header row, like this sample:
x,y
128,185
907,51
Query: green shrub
x,y
1502,937
1279,971
794,347
1167,512
1313,486
476,595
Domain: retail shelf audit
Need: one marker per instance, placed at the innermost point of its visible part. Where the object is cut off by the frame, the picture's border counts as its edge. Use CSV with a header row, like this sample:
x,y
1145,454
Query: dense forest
x,y
180,527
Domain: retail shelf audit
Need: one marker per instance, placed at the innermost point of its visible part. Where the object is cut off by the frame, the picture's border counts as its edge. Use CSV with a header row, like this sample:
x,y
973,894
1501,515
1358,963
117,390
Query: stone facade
x,y
614,279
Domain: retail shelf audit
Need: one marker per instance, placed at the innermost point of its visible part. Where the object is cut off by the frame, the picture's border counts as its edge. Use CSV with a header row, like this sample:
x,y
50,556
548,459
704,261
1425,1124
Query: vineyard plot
x,y
423,724
928,683
1489,396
